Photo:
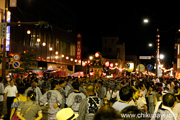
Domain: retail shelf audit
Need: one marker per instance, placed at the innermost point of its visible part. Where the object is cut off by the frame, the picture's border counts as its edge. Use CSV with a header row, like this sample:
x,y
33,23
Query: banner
x,y
8,32
78,47
3,30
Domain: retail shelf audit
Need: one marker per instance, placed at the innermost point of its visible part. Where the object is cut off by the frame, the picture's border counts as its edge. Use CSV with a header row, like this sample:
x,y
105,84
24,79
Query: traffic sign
x,y
145,57
16,57
141,68
149,67
16,64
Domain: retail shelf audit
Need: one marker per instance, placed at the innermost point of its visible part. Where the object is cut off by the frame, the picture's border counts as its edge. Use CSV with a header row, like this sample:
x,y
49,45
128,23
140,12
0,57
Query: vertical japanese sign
x,y
3,30
8,31
78,48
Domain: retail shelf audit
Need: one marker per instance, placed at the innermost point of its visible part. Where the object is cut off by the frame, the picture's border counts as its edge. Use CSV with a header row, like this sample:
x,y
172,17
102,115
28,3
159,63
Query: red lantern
x,y
96,54
111,65
107,63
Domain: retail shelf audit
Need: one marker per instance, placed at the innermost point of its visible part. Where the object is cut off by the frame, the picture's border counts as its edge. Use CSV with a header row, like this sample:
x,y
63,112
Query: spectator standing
x,y
74,99
62,85
151,99
68,88
40,84
143,90
81,88
46,85
125,94
21,98
101,91
36,89
165,109
53,99
29,110
1,95
10,93
175,109
90,105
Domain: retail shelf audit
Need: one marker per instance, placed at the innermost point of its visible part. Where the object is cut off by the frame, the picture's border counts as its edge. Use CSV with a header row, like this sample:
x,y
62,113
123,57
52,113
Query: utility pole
x,y
157,53
4,45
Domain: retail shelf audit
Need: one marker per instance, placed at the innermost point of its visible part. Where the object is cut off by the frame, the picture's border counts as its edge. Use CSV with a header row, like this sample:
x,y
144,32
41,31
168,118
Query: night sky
x,y
95,20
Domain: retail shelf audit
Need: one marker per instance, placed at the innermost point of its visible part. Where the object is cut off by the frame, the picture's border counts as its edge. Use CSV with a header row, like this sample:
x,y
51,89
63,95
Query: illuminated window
x,y
178,63
72,49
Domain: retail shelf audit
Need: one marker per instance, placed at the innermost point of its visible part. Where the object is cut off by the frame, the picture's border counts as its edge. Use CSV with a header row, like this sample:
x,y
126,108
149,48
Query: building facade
x,y
113,48
53,46
54,41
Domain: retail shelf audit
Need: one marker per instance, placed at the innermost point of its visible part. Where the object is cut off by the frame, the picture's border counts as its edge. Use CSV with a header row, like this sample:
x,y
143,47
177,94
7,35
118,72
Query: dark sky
x,y
98,19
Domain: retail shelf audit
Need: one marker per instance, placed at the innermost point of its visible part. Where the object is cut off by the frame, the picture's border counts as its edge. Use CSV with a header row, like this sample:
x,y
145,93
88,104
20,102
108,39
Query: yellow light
x,y
38,40
62,55
56,52
75,60
71,59
90,57
43,44
56,57
28,32
96,54
67,58
50,49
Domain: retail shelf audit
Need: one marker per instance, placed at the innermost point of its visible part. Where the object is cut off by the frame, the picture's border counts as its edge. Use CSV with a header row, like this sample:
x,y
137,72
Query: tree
x,y
28,60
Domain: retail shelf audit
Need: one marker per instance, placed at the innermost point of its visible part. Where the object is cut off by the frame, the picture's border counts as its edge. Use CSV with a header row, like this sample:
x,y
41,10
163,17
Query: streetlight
x,y
161,56
157,49
90,57
28,32
146,20
150,44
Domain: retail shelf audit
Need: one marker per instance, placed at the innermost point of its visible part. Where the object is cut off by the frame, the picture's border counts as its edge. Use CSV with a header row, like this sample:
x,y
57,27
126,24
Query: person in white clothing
x,y
126,95
10,93
143,90
165,108
36,89
176,107
74,99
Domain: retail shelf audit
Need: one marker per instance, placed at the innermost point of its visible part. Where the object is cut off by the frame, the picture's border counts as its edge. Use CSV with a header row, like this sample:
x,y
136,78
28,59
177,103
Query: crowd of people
x,y
90,99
